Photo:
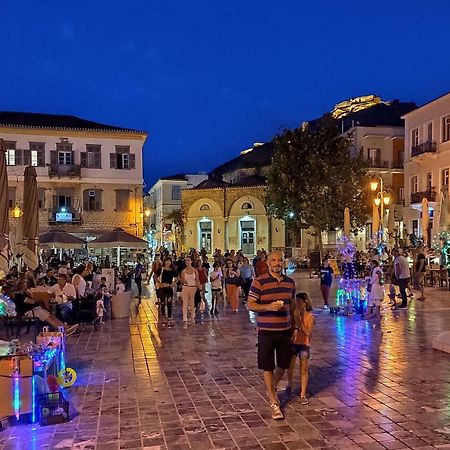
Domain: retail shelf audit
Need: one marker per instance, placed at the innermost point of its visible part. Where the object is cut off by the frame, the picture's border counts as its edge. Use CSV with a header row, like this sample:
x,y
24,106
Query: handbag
x,y
236,281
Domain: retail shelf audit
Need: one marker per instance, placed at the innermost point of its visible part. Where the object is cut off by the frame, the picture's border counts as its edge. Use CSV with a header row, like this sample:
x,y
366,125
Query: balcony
x,y
378,163
64,217
425,147
417,197
64,170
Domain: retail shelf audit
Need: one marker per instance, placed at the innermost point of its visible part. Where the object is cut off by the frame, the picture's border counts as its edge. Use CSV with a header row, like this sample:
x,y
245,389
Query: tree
x,y
313,177
176,216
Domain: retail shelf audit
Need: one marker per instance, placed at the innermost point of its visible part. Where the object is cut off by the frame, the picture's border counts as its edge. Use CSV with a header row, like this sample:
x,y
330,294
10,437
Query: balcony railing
x,y
64,170
375,162
417,197
425,147
64,216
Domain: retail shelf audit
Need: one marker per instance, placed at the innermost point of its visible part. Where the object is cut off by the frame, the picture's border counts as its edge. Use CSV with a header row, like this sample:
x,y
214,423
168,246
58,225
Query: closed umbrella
x,y
391,223
118,238
444,211
4,211
425,220
347,222
60,239
375,220
30,219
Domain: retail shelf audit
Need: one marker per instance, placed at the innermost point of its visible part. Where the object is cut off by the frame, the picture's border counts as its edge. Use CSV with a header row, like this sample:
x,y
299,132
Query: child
x,y
216,288
376,290
100,307
103,290
303,321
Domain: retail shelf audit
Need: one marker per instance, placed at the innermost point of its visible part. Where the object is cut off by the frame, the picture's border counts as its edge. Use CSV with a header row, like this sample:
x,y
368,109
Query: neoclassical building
x,y
230,216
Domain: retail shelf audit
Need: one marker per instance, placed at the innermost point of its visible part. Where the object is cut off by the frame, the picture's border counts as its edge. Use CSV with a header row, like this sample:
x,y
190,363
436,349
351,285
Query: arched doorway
x,y
205,234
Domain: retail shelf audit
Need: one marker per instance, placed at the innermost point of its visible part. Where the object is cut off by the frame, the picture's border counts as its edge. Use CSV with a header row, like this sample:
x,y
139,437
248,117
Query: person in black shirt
x,y
326,280
49,279
419,271
166,291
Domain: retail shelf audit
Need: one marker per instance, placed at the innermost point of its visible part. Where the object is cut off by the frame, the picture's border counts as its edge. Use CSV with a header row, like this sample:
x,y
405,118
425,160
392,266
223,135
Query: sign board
x,y
64,217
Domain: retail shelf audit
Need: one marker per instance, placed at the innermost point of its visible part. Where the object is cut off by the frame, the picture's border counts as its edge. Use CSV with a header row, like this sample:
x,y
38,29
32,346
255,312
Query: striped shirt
x,y
267,289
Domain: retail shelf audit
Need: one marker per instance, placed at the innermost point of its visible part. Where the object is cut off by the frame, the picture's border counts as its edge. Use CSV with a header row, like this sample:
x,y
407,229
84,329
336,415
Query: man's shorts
x,y
419,279
300,350
271,342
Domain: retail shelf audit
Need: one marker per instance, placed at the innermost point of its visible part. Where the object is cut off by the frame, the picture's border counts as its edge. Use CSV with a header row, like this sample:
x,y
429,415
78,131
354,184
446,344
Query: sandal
x,y
304,400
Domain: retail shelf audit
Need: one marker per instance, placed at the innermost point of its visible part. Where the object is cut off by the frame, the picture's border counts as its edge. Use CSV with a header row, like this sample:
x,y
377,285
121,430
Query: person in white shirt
x,y
64,293
402,274
120,286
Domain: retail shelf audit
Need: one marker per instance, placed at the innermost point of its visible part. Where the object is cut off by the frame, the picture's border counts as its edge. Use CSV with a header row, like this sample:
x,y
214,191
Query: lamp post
x,y
381,200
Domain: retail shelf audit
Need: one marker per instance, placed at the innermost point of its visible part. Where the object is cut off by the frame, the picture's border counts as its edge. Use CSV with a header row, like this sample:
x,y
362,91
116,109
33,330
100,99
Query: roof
x,y
178,176
254,180
441,97
56,122
212,183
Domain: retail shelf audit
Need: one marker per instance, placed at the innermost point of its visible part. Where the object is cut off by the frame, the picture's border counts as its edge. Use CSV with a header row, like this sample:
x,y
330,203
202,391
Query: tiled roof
x,y
178,176
254,180
212,183
55,121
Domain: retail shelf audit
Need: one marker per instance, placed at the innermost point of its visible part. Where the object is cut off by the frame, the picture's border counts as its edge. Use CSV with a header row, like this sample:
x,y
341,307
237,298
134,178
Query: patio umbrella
x,y
4,211
118,238
444,211
391,224
375,220
425,220
30,219
60,239
347,222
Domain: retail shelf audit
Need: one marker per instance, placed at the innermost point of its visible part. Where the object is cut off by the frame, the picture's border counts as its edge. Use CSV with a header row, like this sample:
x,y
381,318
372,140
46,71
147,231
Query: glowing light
x,y
33,399
373,185
377,201
291,215
386,200
16,212
63,209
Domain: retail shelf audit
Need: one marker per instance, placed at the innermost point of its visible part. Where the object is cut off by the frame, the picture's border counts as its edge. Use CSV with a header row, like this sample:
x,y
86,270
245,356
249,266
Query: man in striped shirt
x,y
271,296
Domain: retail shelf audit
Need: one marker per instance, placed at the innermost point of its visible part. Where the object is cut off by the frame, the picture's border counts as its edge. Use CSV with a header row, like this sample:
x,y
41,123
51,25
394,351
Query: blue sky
x,y
207,79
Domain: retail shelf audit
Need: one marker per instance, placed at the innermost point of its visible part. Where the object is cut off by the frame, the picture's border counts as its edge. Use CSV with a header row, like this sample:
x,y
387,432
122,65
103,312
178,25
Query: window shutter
x,y
53,158
98,200
72,160
41,158
83,159
378,154
86,200
112,161
19,159
41,198
132,161
55,202
27,157
97,160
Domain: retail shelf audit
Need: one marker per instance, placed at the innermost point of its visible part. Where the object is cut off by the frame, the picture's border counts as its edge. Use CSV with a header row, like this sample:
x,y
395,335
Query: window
x,y
205,207
374,156
122,200
414,185
429,131
415,227
446,129
35,156
63,202
64,151
92,200
41,198
445,179
92,157
11,159
429,181
247,206
414,137
176,192
122,158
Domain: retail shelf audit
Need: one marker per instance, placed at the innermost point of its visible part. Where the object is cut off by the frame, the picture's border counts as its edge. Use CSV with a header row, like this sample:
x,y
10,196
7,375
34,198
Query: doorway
x,y
248,237
206,235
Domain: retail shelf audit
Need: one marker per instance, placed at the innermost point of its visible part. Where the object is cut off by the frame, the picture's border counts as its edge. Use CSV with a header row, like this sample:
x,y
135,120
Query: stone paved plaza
x,y
373,385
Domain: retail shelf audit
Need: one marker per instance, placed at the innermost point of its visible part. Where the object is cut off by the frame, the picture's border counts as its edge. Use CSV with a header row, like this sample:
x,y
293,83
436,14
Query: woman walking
x,y
247,275
190,282
216,288
166,291
232,280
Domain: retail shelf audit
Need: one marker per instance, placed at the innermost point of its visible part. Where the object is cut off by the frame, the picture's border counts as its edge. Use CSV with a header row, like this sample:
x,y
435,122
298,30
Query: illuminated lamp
x,y
16,212
373,185
377,201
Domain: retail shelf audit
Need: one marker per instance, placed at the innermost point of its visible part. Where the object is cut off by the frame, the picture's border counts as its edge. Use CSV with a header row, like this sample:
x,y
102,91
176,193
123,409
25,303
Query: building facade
x,y
163,198
230,216
427,163
89,175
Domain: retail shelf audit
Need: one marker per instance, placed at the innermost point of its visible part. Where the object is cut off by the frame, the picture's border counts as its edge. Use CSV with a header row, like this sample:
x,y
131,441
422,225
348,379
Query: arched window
x,y
205,207
247,206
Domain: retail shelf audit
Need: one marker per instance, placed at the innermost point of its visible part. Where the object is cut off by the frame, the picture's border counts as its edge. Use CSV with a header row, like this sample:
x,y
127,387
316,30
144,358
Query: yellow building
x,y
230,216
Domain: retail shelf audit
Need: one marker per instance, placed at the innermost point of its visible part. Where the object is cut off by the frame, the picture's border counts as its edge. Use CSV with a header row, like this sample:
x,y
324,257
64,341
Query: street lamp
x,y
381,200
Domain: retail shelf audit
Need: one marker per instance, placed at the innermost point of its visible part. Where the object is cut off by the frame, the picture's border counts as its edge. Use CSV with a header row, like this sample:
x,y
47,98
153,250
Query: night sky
x,y
206,79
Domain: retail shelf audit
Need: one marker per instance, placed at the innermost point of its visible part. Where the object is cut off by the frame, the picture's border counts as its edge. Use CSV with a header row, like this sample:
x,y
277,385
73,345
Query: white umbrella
x,y
375,220
443,211
347,222
425,220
